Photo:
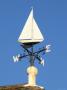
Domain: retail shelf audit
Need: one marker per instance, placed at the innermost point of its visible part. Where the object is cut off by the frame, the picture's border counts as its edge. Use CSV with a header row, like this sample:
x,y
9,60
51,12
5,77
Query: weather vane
x,y
30,36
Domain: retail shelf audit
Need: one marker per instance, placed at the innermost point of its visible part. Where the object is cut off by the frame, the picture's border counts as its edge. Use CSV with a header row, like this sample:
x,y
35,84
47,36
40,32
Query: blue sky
x,y
51,17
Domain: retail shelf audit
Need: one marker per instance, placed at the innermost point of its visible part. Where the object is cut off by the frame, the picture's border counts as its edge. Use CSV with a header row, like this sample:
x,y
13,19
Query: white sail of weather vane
x,y
31,32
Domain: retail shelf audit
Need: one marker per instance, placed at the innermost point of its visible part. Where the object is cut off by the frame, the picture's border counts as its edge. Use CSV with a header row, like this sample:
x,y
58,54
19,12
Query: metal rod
x,y
32,57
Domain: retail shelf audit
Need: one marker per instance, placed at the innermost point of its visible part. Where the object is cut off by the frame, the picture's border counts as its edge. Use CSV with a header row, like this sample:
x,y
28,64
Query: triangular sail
x,y
26,32
31,32
36,31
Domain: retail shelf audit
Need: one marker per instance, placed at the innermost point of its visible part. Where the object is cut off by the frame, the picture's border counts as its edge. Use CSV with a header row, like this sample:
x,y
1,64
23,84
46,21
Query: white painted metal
x,y
32,72
31,31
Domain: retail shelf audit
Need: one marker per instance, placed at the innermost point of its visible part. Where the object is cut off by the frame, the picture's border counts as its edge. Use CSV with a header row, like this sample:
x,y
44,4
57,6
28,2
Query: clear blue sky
x,y
51,17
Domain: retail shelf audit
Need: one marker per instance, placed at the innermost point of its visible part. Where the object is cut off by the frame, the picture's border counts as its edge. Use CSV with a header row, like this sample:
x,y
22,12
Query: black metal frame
x,y
32,54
